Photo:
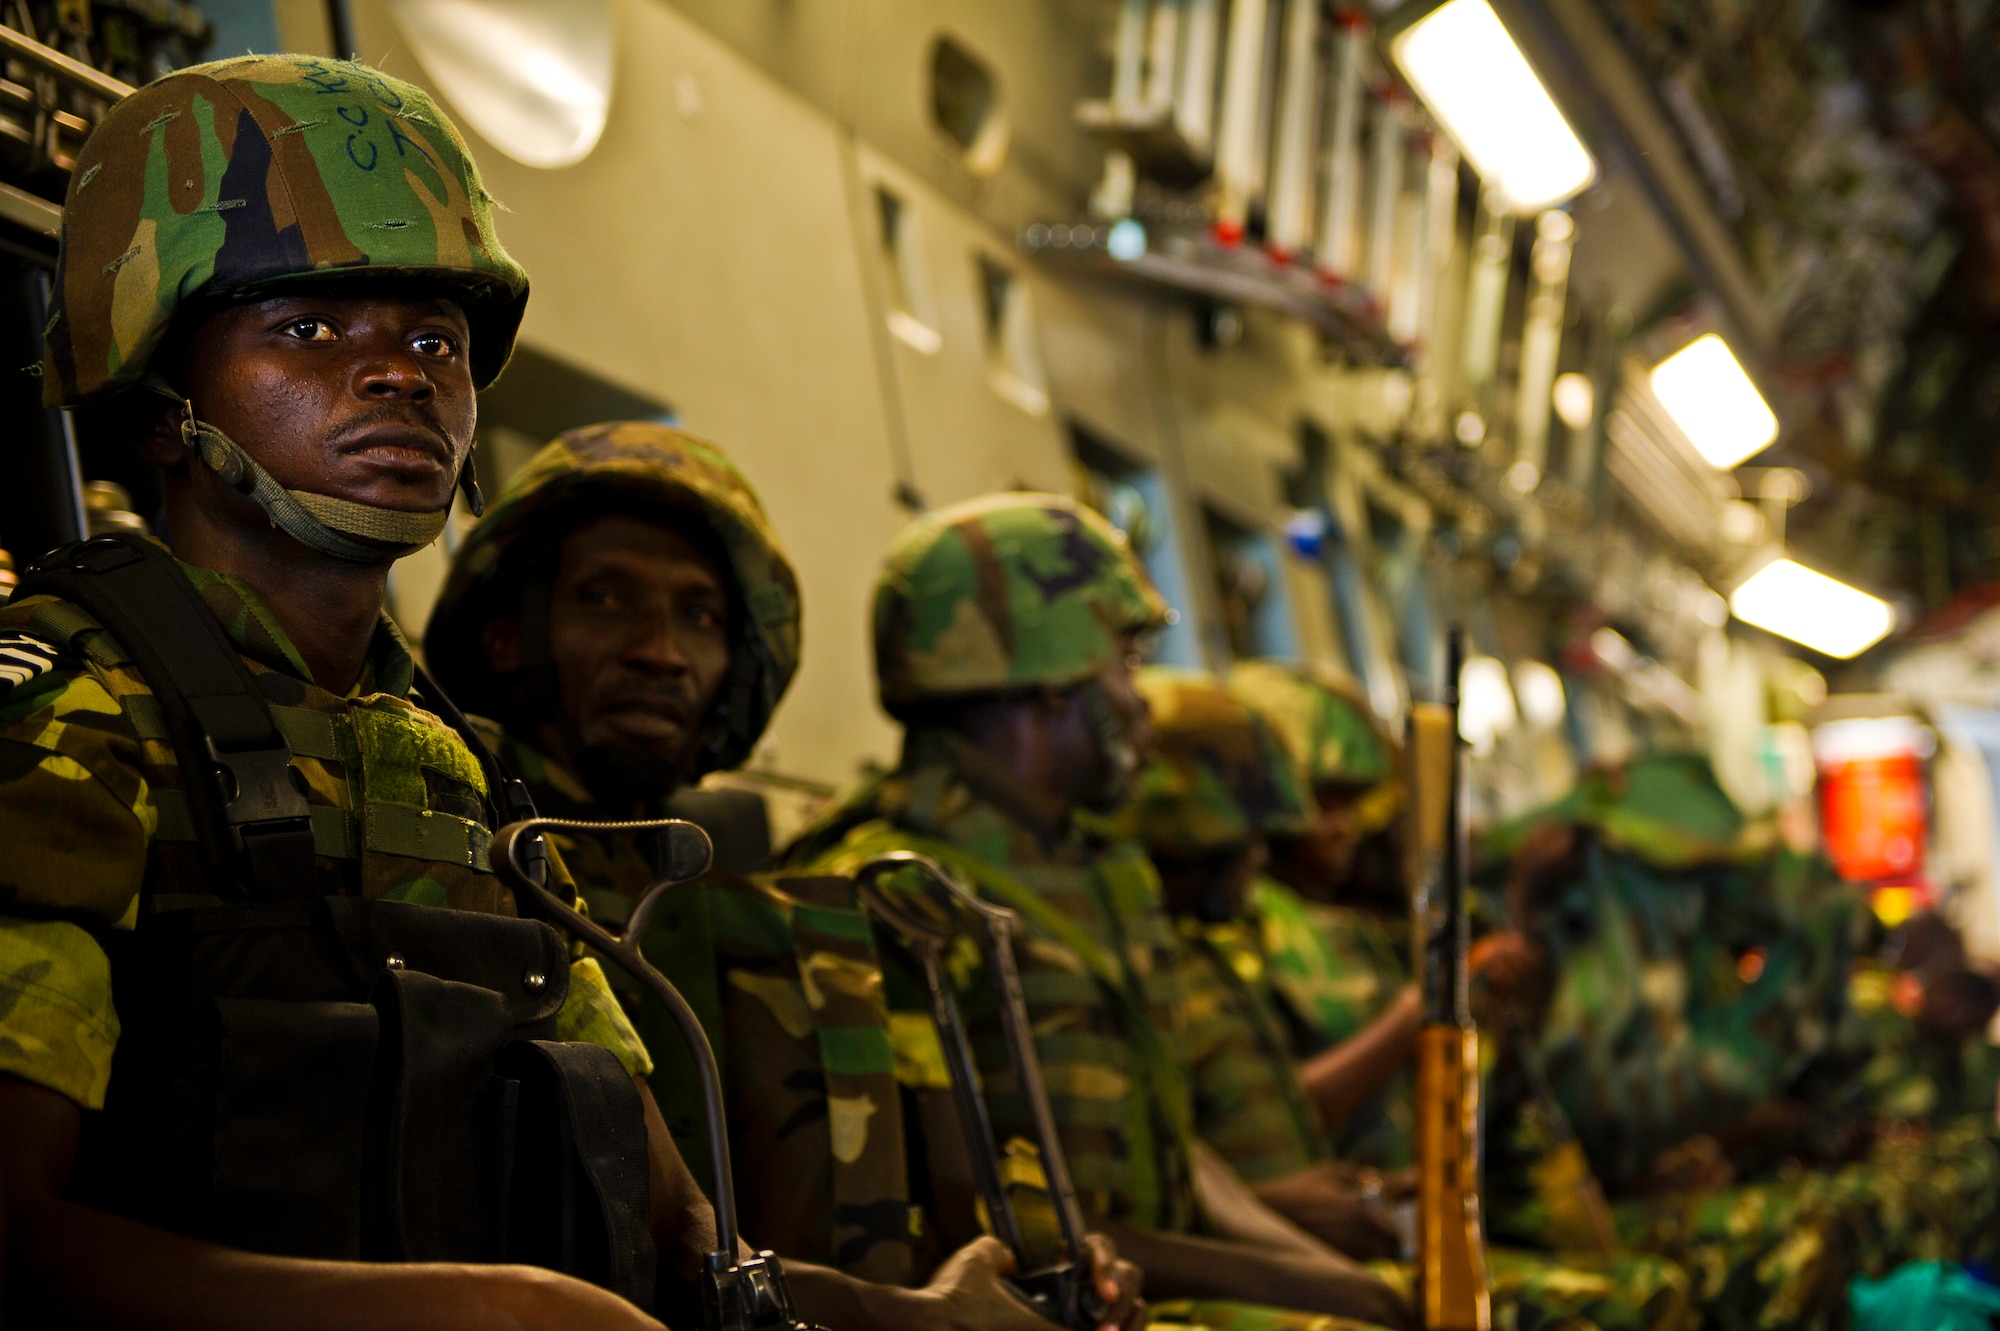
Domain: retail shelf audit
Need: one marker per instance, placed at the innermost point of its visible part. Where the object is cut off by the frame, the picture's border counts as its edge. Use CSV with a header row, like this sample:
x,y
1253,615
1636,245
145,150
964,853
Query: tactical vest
x,y
322,1075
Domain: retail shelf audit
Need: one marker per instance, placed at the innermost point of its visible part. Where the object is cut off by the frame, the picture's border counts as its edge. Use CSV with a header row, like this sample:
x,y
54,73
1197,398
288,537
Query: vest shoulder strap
x,y
251,818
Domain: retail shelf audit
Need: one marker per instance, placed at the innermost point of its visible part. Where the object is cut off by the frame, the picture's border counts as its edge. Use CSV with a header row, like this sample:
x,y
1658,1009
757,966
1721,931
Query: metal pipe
x,y
1541,337
1128,68
1290,222
1194,96
1385,189
1163,42
1236,136
24,47
1338,227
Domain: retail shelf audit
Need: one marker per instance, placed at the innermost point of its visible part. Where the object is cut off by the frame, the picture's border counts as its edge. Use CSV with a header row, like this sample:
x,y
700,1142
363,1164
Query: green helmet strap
x,y
337,528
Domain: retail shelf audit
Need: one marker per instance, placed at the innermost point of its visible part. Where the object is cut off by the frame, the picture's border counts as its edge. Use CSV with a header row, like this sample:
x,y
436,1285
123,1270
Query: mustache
x,y
675,701
424,415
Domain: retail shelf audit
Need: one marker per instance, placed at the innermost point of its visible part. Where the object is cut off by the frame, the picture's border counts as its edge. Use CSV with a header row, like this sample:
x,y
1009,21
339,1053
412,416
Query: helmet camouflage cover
x,y
616,467
1221,778
1331,735
1003,592
231,178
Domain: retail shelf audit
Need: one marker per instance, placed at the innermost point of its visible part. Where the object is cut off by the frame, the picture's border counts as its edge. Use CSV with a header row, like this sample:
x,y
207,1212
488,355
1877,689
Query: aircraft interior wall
x,y
818,281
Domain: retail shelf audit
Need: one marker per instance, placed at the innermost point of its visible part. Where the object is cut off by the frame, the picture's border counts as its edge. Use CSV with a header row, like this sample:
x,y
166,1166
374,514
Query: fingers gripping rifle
x,y
1451,1257
738,1293
928,923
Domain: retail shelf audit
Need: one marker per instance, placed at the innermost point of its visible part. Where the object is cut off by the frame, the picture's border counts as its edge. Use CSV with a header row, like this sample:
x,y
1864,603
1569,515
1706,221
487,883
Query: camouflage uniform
x,y
1220,783
1653,1036
1335,968
1019,592
243,174
1218,786
788,987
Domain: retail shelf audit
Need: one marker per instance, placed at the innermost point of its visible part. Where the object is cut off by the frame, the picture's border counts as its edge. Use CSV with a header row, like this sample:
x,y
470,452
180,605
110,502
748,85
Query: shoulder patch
x,y
25,658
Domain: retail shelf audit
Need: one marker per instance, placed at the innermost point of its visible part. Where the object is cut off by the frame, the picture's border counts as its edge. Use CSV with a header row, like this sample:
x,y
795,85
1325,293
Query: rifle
x,y
1451,1254
928,923
738,1293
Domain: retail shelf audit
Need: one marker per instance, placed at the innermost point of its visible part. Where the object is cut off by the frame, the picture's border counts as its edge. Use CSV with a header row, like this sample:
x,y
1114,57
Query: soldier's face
x,y
1122,738
365,398
1334,833
639,636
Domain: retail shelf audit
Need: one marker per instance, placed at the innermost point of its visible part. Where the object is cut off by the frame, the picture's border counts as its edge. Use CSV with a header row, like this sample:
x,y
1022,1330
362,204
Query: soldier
x,y
228,806
627,615
1007,630
1221,785
1700,1027
1338,940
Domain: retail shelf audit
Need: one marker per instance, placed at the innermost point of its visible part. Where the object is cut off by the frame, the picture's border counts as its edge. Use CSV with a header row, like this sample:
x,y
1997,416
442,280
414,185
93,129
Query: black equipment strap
x,y
509,793
250,812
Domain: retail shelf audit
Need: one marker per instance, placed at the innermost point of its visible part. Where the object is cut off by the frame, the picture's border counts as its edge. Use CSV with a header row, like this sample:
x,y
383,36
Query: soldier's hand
x,y
1118,1284
968,1293
1509,978
1324,1202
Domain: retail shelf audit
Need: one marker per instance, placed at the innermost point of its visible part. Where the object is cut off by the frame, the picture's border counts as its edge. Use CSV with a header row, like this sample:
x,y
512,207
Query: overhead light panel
x,y
1823,613
1703,387
1474,78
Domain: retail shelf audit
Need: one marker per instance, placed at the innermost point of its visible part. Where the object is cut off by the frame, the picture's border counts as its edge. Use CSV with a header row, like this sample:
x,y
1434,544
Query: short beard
x,y
618,776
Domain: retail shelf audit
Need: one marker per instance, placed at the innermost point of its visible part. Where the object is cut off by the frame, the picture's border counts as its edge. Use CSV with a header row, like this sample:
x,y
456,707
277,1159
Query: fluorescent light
x,y
1704,389
1539,690
1470,73
1485,703
1575,399
1826,615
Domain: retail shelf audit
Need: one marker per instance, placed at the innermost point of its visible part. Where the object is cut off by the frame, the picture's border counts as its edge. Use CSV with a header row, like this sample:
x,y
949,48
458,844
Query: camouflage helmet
x,y
617,467
1220,779
233,178
1329,731
1007,591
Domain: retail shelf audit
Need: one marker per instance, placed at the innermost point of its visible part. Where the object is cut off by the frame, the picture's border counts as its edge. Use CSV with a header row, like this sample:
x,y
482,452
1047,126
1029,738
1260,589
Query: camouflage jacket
x,y
91,790
1248,1103
1332,971
1655,1030
1099,964
788,985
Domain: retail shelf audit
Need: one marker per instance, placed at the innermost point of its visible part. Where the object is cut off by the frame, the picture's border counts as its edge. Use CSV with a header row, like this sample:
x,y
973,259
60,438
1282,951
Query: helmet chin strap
x,y
337,528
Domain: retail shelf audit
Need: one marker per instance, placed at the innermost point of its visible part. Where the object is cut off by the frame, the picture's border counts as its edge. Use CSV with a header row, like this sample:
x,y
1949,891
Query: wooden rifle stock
x,y
1451,1251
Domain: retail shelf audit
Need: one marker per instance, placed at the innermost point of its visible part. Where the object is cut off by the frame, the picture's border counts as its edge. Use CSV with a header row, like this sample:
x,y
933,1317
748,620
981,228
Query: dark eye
x,y
707,617
311,330
440,345
596,596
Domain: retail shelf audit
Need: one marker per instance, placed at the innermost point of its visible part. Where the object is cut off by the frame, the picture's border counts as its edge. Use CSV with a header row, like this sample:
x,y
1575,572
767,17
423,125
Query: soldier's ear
x,y
154,427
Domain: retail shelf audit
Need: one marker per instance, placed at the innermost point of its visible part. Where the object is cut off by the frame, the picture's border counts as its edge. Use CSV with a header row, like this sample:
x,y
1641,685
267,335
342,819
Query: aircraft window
x,y
1013,350
1134,497
965,102
906,273
1256,619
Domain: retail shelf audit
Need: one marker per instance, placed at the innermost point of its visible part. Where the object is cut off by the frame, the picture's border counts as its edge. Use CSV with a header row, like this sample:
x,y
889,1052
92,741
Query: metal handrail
x,y
65,67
